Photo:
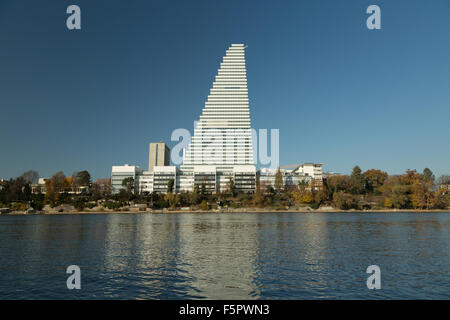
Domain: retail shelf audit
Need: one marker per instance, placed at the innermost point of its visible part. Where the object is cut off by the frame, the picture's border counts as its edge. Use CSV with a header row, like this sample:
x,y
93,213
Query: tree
x,y
172,199
428,175
388,203
307,197
303,183
336,183
345,201
30,176
421,195
443,180
258,197
204,205
410,177
279,180
399,197
320,197
128,183
96,192
79,204
194,197
231,187
83,178
297,195
438,200
374,179
170,186
356,181
55,186
203,190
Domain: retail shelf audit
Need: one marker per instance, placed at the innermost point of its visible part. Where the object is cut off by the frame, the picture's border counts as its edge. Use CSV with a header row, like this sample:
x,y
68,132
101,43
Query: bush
x,y
314,205
90,205
18,206
204,205
345,201
38,205
112,205
79,204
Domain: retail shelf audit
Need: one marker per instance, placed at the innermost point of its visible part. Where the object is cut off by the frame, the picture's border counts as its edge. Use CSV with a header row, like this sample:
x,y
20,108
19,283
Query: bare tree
x,y
443,180
30,176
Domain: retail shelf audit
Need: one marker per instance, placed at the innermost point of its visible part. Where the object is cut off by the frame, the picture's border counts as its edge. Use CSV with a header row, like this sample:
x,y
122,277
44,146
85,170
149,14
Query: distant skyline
x,y
340,94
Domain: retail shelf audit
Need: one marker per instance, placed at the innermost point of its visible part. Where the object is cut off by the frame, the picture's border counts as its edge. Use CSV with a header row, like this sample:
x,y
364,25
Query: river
x,y
226,256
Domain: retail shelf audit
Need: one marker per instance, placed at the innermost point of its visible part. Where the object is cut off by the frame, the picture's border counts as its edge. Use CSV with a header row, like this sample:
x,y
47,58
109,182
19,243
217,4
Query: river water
x,y
226,256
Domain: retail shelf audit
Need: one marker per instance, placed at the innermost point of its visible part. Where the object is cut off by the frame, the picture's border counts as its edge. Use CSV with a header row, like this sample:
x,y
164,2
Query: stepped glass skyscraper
x,y
221,148
223,134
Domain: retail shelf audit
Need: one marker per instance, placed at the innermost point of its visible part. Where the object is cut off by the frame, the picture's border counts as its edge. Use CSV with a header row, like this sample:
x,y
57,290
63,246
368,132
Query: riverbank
x,y
236,210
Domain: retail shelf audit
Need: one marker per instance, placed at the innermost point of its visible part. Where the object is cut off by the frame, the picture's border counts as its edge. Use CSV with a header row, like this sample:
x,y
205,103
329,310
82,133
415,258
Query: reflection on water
x,y
226,256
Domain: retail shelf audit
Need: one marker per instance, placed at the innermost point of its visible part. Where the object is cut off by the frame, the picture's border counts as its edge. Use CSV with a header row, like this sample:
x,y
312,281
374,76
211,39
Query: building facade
x,y
119,173
158,155
291,178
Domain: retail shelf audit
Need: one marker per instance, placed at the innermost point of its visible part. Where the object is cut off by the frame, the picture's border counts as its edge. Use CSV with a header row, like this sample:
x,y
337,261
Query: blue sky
x,y
339,93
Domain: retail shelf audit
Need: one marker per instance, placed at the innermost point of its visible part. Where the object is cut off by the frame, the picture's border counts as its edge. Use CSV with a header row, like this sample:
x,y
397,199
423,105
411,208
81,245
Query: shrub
x,y
314,205
38,205
112,205
90,205
18,206
204,205
345,201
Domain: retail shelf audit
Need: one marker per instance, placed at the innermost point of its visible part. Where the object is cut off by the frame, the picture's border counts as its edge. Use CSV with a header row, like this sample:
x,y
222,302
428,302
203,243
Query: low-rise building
x,y
162,175
209,178
119,173
267,177
37,188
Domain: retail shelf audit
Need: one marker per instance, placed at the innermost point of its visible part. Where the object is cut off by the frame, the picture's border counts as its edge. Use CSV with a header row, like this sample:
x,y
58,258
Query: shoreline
x,y
241,210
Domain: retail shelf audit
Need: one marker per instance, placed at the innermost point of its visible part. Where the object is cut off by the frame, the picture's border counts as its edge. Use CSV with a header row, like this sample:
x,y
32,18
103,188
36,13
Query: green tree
x,y
79,204
345,201
170,186
83,178
128,183
357,181
258,197
428,175
399,197
279,180
203,190
231,187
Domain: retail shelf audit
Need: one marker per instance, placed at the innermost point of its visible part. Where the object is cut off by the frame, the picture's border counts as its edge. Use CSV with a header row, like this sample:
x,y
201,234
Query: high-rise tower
x,y
221,148
223,134
158,155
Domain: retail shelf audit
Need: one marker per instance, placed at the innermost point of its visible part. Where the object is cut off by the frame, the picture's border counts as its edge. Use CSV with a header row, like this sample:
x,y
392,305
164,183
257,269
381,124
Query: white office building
x,y
119,173
223,135
221,147
291,177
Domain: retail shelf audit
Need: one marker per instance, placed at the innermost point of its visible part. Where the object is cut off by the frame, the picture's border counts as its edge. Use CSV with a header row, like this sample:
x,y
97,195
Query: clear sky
x,y
339,93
